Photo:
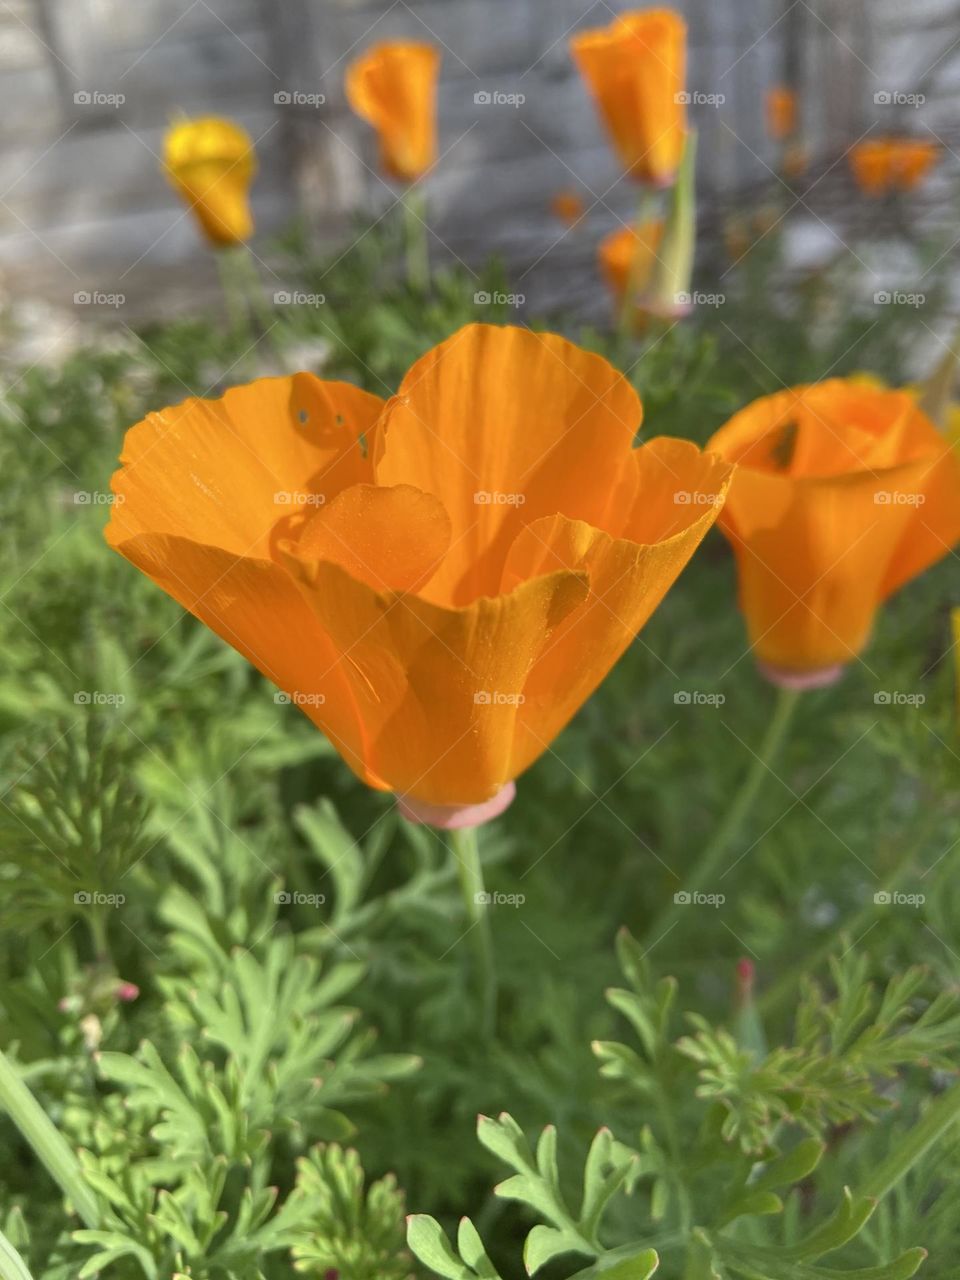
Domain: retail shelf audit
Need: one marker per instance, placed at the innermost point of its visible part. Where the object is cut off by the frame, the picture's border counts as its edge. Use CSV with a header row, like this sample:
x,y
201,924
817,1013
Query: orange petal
x,y
224,471
635,70
391,538
628,579
255,607
505,425
933,527
393,86
438,689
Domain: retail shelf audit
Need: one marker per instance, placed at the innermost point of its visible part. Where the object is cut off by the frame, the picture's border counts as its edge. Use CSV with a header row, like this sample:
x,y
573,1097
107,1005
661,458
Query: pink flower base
x,y
800,680
452,817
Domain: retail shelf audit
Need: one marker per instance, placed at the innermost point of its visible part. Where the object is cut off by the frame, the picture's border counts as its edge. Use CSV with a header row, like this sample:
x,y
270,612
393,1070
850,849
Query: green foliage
x,y
275,915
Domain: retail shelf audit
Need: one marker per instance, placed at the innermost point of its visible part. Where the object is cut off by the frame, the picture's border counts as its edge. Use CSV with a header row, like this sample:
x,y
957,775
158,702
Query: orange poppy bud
x,y
627,258
882,164
781,112
872,165
635,70
913,161
393,86
843,492
439,581
568,206
211,162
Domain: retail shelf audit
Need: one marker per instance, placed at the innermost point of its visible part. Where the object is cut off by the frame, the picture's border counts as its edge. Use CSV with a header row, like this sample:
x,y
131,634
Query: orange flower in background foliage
x,y
843,492
627,257
781,112
211,162
914,160
881,165
635,69
438,581
393,86
568,206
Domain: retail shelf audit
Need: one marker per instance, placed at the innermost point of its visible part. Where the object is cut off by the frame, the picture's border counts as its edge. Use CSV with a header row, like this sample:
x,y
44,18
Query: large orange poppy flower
x,y
843,492
438,581
211,162
393,86
635,70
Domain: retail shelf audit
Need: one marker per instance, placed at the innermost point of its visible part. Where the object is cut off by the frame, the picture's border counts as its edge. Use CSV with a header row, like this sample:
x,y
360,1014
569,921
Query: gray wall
x,y
83,204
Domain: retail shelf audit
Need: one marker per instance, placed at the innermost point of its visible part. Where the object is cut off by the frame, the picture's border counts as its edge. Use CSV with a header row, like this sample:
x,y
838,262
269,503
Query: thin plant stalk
x,y
707,866
46,1142
628,302
465,847
415,235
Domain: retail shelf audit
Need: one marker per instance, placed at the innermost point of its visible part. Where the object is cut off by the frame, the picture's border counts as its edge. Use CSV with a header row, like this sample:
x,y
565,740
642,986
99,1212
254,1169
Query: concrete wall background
x,y
84,205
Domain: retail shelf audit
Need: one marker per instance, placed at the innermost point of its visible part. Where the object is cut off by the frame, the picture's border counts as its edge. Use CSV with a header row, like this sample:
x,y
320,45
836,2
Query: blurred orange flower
x,y
881,165
393,86
627,257
212,162
915,159
635,69
568,206
781,112
843,492
438,581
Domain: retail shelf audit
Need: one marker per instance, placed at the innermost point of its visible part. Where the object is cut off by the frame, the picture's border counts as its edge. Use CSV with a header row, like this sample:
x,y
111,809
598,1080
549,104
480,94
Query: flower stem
x,y
47,1143
418,252
710,861
465,847
628,303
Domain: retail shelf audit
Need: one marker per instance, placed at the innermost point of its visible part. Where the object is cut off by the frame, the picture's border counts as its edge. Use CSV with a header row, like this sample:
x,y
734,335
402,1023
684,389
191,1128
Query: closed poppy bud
x,y
568,207
635,70
438,581
872,163
781,112
843,492
913,160
393,86
627,257
212,163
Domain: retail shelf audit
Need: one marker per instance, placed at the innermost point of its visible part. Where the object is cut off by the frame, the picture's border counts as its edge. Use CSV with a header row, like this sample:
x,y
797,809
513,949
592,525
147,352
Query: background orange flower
x,y
438,582
635,69
843,492
212,162
780,112
393,86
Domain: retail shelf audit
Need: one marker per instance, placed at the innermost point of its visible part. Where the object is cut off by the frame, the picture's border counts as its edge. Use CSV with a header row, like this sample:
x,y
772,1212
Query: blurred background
x,y
89,87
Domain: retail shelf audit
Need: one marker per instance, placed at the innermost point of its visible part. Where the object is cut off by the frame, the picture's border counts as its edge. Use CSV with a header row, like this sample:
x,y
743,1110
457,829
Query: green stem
x,y
47,1143
628,303
913,1145
12,1266
98,932
266,319
465,847
237,319
705,870
417,249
